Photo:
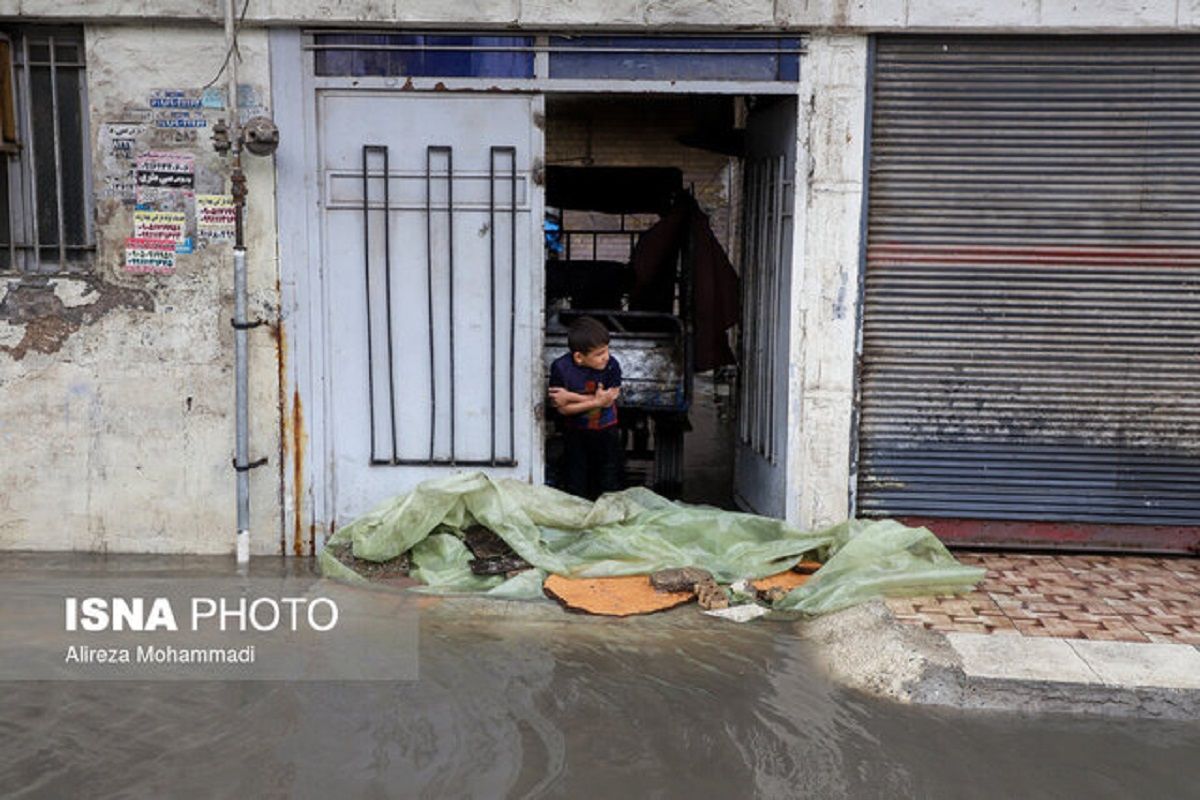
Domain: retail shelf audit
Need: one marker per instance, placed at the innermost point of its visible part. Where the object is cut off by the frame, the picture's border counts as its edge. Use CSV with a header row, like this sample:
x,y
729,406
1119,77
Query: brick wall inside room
x,y
643,132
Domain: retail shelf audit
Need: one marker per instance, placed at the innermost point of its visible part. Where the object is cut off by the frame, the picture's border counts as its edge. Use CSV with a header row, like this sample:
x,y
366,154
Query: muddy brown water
x,y
540,704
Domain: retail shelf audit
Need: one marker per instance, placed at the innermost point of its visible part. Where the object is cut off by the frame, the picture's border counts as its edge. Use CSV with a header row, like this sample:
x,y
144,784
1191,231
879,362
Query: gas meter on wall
x,y
260,135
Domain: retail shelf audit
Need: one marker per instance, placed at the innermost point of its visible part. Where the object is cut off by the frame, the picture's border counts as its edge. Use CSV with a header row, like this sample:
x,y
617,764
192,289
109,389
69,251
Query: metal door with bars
x,y
760,467
430,275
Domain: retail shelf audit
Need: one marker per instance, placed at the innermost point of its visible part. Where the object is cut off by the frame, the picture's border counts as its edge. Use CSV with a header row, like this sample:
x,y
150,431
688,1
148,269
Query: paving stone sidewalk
x,y
1141,599
1100,623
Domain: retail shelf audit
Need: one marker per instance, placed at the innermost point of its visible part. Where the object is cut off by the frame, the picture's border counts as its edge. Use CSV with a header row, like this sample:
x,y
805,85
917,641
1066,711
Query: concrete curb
x,y
866,649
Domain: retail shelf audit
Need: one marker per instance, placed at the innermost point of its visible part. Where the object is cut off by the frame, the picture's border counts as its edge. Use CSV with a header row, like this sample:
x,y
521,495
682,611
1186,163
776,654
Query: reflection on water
x,y
538,703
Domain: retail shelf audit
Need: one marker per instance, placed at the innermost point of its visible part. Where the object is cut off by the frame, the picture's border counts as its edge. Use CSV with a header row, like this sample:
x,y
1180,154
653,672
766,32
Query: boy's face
x,y
596,358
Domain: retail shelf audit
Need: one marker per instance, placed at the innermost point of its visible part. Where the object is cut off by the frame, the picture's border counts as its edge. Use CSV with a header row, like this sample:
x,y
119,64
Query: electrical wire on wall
x,y
231,49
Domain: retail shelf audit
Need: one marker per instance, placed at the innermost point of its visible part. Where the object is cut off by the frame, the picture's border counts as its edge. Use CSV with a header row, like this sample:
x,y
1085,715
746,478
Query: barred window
x,y
45,214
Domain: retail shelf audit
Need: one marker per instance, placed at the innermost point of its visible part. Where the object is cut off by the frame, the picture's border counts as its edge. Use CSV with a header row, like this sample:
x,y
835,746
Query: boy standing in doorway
x,y
584,385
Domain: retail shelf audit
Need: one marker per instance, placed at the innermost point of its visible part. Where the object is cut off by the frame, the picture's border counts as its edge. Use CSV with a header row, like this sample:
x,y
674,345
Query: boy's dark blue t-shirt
x,y
566,373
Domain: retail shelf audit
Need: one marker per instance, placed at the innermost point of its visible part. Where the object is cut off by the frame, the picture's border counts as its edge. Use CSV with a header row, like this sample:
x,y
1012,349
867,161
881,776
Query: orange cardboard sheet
x,y
784,580
614,597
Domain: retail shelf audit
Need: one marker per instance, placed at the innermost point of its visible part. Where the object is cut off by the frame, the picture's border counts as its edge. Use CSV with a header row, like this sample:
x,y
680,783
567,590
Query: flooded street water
x,y
532,702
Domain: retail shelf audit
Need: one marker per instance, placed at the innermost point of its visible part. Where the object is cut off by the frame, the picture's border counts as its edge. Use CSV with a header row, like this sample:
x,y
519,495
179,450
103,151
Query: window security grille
x,y
45,193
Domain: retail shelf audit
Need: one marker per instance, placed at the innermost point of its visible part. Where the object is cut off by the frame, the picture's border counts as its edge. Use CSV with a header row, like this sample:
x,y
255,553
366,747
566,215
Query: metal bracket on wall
x,y
245,326
260,462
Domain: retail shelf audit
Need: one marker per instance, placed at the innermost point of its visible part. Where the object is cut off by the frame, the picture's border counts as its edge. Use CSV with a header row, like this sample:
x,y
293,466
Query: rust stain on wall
x,y
294,438
49,322
298,441
284,425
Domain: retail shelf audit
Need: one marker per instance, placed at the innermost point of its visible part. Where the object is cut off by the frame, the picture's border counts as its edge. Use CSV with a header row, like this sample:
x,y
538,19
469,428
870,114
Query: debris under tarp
x,y
710,595
682,579
634,532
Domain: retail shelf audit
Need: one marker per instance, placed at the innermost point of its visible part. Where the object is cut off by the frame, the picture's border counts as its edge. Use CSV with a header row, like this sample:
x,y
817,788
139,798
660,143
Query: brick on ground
x,y
934,620
1123,628
1149,625
1110,598
1028,628
1187,637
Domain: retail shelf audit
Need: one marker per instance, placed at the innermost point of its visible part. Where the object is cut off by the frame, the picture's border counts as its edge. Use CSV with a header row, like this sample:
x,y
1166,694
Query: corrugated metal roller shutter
x,y
1031,330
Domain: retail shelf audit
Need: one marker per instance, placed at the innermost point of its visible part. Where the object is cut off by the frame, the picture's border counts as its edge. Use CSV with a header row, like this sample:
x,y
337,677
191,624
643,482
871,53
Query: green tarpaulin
x,y
636,532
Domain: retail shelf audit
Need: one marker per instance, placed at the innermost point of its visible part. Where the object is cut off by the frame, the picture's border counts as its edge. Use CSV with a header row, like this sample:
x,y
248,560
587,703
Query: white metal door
x,y
760,474
431,276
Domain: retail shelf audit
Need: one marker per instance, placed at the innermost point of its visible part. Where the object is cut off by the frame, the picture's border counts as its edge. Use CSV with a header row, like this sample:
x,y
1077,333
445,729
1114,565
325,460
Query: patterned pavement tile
x,y
1097,597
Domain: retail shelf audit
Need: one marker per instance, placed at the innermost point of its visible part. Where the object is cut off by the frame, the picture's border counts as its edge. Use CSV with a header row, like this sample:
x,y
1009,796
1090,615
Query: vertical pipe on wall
x,y
241,398
243,427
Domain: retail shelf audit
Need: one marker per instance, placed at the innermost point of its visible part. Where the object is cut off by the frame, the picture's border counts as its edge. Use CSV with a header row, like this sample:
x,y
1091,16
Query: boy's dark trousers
x,y
592,461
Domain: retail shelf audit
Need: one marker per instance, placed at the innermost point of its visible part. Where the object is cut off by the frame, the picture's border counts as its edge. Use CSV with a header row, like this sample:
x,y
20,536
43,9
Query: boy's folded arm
x,y
561,396
577,407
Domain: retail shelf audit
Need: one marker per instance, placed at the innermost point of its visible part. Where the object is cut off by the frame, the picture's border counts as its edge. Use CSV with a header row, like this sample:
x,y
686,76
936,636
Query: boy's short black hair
x,y
586,334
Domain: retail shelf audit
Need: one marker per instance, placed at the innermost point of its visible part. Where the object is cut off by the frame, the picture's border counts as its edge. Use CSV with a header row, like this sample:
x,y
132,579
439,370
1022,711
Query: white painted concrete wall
x,y
118,430
811,15
825,278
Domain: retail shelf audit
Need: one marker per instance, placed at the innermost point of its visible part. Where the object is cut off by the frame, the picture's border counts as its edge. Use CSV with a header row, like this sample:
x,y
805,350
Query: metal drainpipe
x,y
238,190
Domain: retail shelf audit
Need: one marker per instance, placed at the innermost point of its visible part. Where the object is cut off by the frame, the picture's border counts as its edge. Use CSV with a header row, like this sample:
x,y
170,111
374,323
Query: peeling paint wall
x,y
826,278
116,387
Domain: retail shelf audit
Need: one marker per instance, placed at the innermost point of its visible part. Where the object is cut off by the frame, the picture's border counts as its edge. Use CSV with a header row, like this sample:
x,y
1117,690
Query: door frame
x,y
793,459
306,467
747,457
